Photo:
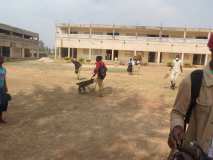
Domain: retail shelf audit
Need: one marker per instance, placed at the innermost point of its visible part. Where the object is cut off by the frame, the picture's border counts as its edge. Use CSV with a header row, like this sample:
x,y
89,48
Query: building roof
x,y
190,29
18,30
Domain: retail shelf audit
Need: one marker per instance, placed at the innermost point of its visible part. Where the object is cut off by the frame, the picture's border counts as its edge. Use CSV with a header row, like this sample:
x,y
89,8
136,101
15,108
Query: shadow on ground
x,y
58,124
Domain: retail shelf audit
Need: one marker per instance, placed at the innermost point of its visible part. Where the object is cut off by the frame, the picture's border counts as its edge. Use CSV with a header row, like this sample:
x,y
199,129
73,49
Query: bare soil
x,y
49,120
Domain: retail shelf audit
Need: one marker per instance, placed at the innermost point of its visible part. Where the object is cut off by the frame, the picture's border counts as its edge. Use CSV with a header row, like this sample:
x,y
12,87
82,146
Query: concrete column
x,y
69,30
136,35
160,33
113,32
182,57
11,51
209,35
55,52
112,55
69,53
206,60
22,53
59,52
158,58
90,54
32,53
90,31
184,34
37,53
72,52
135,53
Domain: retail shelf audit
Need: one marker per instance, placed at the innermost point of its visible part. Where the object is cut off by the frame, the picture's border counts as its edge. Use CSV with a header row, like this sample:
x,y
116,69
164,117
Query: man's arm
x,y
181,68
5,84
178,113
182,102
96,69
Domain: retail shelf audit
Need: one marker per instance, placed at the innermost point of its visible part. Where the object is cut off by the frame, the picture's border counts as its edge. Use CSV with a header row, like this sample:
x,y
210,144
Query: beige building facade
x,y
18,43
157,45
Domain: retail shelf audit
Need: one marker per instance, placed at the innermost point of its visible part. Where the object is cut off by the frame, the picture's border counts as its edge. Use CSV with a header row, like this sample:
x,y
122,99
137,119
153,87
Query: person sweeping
x,y
77,66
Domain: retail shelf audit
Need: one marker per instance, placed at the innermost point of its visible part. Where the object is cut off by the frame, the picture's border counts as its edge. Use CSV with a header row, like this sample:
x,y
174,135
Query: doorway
x,y
108,55
152,57
161,57
64,52
115,54
74,53
199,59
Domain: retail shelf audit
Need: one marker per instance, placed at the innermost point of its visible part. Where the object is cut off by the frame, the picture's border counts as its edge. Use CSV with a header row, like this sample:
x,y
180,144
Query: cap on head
x,y
177,57
210,43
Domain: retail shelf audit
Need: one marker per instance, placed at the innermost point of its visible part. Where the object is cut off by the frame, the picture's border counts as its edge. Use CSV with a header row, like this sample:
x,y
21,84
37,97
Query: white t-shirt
x,y
177,65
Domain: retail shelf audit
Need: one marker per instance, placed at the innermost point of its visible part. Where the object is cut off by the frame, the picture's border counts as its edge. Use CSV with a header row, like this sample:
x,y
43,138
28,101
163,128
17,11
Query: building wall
x,y
16,52
124,56
19,41
168,42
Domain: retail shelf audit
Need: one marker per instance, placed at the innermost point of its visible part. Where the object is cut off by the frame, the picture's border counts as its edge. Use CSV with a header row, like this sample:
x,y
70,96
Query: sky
x,y
41,15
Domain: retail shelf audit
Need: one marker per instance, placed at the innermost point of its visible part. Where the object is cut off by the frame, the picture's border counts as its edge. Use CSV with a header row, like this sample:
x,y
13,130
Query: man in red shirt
x,y
100,70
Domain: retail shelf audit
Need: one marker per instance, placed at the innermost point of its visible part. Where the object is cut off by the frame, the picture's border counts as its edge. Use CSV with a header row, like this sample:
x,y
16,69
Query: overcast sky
x,y
41,15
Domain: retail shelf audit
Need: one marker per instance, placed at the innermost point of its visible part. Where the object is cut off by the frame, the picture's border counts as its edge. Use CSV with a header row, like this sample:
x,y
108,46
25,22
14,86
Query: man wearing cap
x,y
176,70
200,126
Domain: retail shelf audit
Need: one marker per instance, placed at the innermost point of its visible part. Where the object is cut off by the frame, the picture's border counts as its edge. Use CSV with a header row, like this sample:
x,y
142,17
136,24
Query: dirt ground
x,y
49,120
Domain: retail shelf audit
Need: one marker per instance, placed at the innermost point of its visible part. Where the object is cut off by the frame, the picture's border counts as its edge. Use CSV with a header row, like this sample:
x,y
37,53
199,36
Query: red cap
x,y
210,43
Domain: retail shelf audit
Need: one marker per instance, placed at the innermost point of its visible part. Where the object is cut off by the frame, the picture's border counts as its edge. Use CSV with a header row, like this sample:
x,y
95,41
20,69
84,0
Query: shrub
x,y
188,65
169,64
88,60
145,64
67,58
81,60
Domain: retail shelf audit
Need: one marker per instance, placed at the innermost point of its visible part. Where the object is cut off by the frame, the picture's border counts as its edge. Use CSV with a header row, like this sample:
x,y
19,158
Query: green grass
x,y
117,70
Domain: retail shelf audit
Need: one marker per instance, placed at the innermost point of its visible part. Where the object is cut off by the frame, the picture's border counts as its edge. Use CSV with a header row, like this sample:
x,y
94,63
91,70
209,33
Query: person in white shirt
x,y
175,71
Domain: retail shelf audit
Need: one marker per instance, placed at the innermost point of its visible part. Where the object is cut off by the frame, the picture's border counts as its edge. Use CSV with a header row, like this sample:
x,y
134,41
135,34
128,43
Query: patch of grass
x,y
117,70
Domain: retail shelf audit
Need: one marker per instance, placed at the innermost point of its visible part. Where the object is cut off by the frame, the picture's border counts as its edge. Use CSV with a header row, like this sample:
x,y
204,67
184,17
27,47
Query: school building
x,y
18,43
116,42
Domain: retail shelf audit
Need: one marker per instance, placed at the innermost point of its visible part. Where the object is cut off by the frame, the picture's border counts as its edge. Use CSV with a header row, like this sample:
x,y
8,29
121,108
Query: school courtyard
x,y
49,120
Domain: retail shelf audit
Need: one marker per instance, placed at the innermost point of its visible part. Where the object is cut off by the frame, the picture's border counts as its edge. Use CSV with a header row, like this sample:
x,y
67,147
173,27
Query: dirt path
x,y
49,120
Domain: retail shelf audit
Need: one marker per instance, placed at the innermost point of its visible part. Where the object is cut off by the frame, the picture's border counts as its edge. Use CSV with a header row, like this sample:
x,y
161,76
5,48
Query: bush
x,y
145,64
88,61
169,64
188,65
67,58
81,60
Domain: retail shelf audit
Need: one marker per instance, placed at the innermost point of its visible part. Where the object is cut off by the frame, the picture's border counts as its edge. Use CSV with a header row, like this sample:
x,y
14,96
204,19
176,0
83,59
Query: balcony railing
x,y
133,38
14,38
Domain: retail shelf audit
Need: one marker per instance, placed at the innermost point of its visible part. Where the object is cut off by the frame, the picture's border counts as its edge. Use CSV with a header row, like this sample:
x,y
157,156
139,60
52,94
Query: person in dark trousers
x,y
77,66
192,113
3,90
100,70
130,66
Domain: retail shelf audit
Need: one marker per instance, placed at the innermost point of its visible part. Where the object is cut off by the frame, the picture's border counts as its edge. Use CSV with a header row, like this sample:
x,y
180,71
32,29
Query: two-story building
x,y
18,43
115,42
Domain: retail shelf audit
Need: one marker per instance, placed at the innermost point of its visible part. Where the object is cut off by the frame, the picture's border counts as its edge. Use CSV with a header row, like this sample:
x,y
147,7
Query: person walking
x,y
175,71
77,66
100,70
130,66
3,90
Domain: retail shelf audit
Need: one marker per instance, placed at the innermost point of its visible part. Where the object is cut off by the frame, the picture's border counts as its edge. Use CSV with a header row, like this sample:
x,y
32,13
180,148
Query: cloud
x,y
41,15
